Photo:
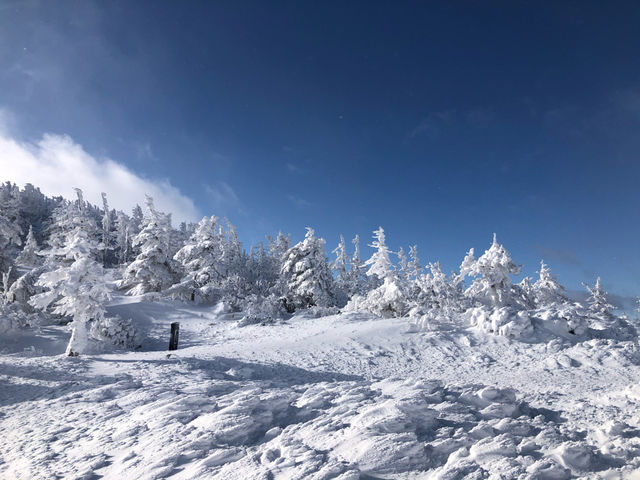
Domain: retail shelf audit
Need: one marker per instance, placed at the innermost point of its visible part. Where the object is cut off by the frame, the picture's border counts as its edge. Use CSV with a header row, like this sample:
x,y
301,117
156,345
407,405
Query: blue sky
x,y
441,121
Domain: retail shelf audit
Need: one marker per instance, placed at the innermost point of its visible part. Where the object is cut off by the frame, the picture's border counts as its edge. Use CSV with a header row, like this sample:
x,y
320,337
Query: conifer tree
x,y
29,255
153,269
76,286
492,271
380,266
546,289
306,274
597,300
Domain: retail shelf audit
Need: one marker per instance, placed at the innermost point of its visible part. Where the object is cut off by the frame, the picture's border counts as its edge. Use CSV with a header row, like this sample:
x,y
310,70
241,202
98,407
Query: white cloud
x,y
56,164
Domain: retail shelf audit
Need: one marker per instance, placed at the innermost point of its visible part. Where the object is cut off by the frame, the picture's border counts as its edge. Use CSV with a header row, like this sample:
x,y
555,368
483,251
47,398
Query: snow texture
x,y
338,397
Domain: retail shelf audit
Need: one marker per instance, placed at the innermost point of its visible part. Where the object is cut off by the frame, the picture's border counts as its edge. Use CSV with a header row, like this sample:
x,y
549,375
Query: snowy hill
x,y
340,396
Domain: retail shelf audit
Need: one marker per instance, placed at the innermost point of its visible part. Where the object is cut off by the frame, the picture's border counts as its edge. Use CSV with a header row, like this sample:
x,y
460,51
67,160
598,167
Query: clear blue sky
x,y
441,121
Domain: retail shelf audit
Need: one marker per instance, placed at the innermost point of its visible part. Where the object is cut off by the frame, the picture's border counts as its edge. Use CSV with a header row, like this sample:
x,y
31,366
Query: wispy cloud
x,y
299,202
565,257
435,123
431,126
57,164
223,197
293,168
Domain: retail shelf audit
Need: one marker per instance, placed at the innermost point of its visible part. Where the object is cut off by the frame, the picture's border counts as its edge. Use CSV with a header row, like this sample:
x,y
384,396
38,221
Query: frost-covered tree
x,y
152,270
107,234
547,290
524,294
200,259
492,270
10,231
67,217
76,288
29,255
387,298
123,236
357,284
380,266
403,266
306,274
436,294
137,219
597,300
339,266
414,269
21,291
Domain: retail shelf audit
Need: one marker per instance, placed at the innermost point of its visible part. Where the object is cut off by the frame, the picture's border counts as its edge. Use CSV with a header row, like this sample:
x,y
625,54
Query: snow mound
x,y
505,321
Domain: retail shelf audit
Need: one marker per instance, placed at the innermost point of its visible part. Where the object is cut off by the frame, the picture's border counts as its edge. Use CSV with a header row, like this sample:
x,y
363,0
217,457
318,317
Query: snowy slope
x,y
344,396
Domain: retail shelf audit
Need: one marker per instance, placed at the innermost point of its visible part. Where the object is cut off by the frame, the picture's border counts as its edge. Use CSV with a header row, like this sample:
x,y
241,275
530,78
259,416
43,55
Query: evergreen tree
x,y
76,287
357,283
10,231
123,237
598,299
414,267
107,234
29,255
152,270
380,266
200,259
492,271
306,274
403,266
546,289
339,265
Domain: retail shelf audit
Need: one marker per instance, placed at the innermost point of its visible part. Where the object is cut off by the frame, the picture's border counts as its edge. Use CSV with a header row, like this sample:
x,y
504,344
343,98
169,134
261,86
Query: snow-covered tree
x,y
76,288
306,274
24,288
597,300
29,255
492,270
524,294
339,266
403,266
107,234
380,266
357,284
414,269
152,270
123,236
547,290
387,298
10,231
67,217
200,259
436,294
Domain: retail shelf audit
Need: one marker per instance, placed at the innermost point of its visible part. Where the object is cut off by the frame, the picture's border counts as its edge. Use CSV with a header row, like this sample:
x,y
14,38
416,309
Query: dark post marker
x,y
175,333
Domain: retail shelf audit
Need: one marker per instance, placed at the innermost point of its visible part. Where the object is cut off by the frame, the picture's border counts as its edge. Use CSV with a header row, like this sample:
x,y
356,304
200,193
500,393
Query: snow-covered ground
x,y
346,396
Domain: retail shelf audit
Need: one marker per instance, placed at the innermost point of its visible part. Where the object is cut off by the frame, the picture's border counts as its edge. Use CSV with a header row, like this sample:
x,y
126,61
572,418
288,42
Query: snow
x,y
343,396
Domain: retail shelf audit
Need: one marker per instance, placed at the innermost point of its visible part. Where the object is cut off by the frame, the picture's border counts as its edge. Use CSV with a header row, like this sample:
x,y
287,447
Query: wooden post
x,y
175,333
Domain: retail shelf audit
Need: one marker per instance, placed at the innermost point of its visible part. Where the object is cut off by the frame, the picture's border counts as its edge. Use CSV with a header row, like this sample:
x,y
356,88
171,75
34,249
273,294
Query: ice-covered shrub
x,y
13,317
504,321
563,318
115,331
264,308
24,288
387,300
